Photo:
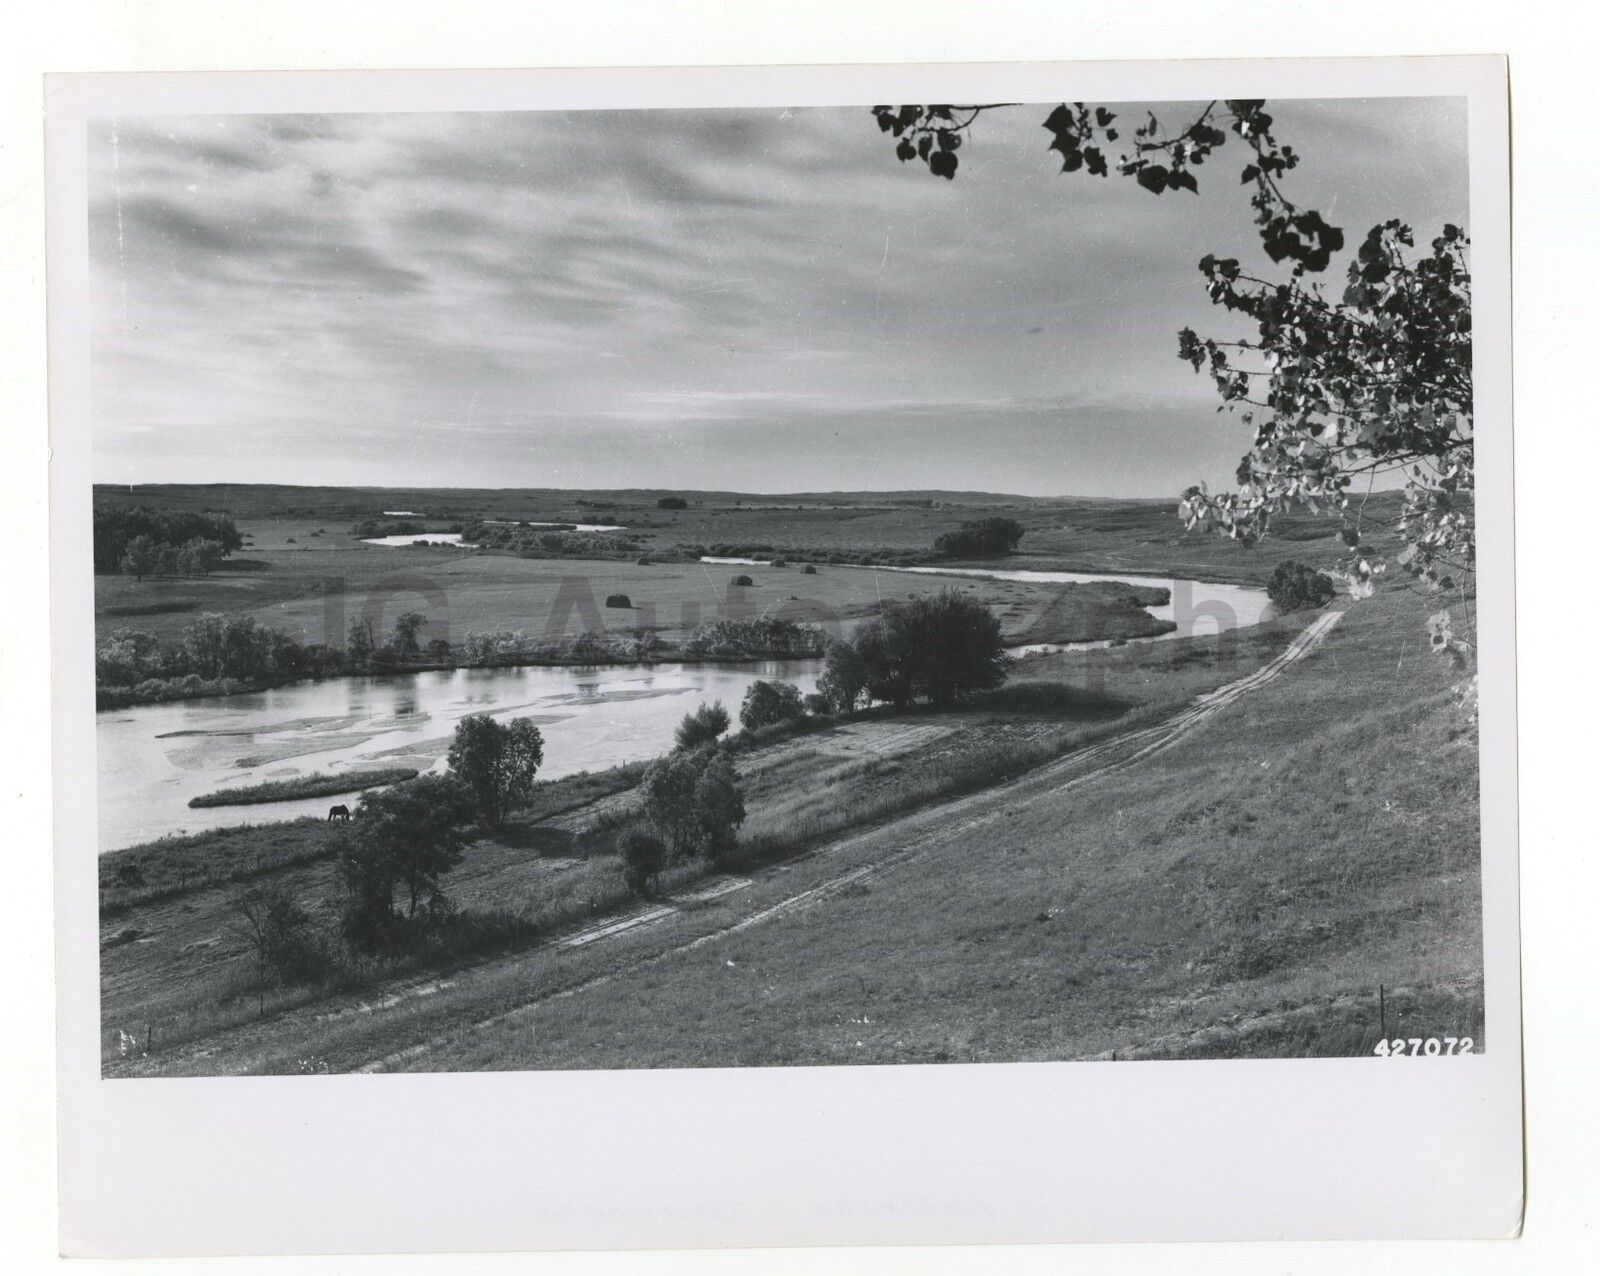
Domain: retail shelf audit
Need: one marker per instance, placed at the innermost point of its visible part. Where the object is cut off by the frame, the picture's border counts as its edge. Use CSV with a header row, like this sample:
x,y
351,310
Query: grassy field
x,y
302,570
1241,893
313,592
827,520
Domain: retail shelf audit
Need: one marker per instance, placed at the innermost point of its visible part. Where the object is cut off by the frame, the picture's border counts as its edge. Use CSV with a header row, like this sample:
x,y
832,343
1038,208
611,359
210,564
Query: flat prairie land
x,y
304,571
312,591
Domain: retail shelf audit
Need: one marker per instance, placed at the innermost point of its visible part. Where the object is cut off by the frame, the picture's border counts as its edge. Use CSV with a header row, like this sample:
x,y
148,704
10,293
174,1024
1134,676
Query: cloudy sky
x,y
755,300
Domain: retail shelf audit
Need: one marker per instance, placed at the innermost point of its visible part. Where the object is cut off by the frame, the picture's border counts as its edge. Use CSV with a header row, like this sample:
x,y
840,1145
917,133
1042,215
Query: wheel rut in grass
x,y
890,846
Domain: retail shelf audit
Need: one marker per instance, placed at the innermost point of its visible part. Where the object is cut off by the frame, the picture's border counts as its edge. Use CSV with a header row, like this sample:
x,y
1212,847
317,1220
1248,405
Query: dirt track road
x,y
844,862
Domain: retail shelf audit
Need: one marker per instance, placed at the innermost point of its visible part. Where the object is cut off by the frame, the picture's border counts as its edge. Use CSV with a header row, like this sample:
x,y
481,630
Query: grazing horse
x,y
340,812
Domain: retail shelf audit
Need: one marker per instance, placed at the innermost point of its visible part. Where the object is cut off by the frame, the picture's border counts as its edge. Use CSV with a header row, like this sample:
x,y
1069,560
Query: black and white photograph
x,y
741,587
564,579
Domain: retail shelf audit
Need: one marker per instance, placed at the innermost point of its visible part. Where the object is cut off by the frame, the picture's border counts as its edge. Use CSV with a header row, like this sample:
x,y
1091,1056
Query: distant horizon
x,y
642,491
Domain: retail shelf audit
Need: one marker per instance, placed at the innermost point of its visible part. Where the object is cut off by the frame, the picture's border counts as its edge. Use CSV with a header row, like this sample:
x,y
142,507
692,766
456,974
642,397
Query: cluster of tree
x,y
1295,586
984,538
545,542
406,838
129,656
494,646
692,801
755,638
116,526
403,645
215,655
672,503
145,556
513,646
243,648
939,648
373,528
768,703
403,840
157,690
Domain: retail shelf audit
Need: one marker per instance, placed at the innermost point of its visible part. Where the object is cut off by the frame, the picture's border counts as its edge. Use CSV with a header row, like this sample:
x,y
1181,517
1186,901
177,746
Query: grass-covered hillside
x,y
1004,881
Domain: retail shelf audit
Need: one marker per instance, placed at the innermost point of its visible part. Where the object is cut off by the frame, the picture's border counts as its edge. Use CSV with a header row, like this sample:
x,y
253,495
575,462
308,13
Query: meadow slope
x,y
1240,893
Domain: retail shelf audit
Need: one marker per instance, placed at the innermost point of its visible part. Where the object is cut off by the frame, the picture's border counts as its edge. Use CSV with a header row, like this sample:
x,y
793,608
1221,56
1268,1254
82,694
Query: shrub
x,y
279,933
743,581
1295,586
644,855
702,726
551,542
672,503
405,837
780,562
768,702
719,807
810,569
986,538
819,704
618,600
693,800
643,562
668,789
759,637
941,648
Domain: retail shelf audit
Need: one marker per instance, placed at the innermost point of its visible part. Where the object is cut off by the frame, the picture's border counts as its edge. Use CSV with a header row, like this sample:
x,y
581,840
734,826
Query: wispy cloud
x,y
512,296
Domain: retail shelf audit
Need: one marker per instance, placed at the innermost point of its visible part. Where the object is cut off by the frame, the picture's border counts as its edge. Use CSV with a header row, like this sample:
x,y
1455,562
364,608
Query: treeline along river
x,y
154,758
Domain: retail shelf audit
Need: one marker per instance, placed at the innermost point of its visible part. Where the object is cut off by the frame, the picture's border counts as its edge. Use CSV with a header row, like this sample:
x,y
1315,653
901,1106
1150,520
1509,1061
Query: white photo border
x,y
912,1155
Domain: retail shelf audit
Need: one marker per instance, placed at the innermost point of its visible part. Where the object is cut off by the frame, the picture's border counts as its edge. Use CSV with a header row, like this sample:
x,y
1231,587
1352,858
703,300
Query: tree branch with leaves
x,y
1340,391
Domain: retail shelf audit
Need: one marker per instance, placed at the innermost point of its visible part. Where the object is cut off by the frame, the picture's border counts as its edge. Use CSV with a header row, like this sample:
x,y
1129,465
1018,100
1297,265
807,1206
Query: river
x,y
154,758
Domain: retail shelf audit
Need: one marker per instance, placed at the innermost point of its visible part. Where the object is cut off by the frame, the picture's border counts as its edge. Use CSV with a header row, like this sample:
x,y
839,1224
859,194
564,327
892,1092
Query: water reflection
x,y
154,758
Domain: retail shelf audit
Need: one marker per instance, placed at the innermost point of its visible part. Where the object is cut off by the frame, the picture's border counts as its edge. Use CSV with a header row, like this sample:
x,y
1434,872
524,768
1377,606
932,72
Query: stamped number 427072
x,y
1393,1048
